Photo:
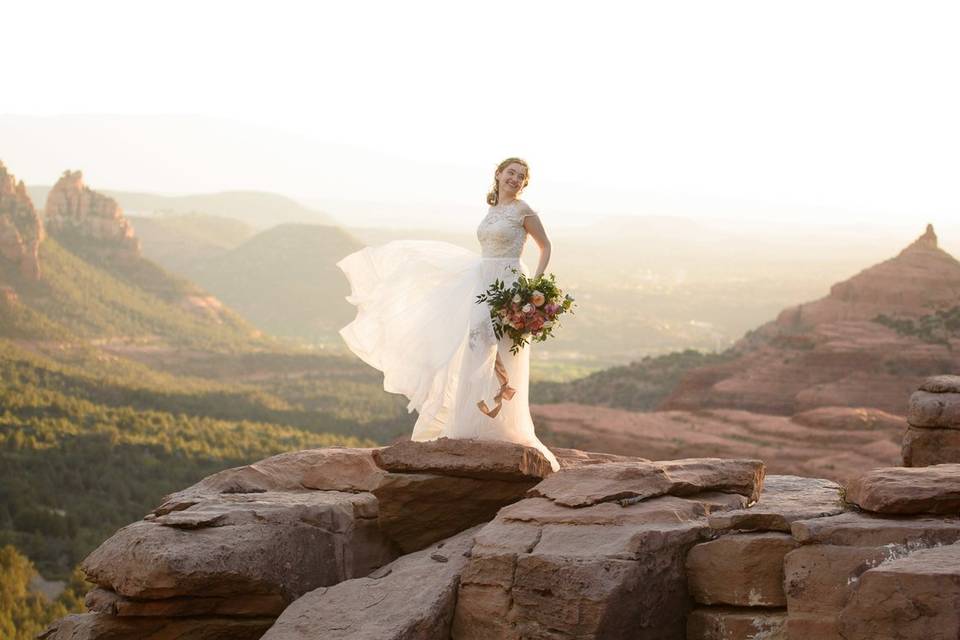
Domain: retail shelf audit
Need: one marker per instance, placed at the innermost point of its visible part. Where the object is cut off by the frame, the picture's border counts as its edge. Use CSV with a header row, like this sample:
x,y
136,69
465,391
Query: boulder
x,y
901,490
923,447
272,543
911,598
468,458
941,384
733,623
741,570
784,500
411,599
934,409
632,481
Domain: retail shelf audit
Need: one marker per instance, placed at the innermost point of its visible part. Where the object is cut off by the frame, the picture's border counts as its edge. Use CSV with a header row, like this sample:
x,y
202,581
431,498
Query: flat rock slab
x,y
736,623
784,500
923,447
740,569
412,599
913,598
543,570
634,481
99,600
905,490
934,409
941,384
870,530
468,458
418,509
261,544
99,626
329,469
576,458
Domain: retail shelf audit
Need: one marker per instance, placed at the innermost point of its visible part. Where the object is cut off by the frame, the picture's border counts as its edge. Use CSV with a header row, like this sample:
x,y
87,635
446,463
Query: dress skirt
x,y
419,323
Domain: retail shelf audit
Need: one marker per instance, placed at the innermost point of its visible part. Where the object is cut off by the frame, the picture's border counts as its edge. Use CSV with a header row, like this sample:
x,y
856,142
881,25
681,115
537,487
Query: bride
x,y
418,322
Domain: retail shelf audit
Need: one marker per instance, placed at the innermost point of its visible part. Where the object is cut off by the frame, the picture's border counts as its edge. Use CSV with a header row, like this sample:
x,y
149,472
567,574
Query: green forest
x,y
23,612
114,394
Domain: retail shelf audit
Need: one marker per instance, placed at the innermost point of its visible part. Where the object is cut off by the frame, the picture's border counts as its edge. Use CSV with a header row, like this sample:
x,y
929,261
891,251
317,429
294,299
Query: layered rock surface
x,y
306,544
602,561
737,580
823,577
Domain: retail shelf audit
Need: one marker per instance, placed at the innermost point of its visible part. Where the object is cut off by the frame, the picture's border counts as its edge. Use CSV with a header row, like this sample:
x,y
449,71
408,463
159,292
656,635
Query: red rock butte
x,y
74,207
21,230
833,351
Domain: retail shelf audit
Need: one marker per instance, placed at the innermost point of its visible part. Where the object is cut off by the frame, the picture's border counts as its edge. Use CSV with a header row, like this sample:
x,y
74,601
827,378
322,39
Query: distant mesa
x,y
21,230
75,209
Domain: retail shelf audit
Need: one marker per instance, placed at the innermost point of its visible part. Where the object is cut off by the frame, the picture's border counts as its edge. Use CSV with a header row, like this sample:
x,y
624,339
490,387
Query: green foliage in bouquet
x,y
527,311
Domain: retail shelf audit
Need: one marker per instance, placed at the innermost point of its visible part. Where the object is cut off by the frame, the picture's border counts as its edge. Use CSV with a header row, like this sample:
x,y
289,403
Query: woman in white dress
x,y
419,323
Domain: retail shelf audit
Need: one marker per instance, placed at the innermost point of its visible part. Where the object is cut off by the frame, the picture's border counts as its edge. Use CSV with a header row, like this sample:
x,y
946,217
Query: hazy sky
x,y
845,105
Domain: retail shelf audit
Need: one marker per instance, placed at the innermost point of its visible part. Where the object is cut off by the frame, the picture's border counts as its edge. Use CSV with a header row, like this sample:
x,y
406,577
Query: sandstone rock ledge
x,y
309,536
462,540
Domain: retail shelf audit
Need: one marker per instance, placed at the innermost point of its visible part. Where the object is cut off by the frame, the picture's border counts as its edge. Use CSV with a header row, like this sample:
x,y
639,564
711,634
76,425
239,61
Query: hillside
x,y
178,241
285,280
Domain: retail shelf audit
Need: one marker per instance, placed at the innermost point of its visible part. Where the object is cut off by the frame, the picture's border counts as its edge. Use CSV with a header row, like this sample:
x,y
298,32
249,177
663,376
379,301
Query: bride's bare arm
x,y
535,228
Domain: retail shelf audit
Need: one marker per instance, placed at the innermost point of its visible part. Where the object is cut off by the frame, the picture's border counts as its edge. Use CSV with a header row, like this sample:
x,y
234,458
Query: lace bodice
x,y
501,233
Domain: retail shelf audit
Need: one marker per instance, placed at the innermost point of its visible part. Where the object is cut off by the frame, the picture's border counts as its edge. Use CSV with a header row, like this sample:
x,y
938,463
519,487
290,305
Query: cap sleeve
x,y
523,211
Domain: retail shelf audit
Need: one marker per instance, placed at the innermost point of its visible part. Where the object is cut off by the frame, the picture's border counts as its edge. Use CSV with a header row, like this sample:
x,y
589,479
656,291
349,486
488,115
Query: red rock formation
x,y
21,230
933,434
72,207
831,352
701,549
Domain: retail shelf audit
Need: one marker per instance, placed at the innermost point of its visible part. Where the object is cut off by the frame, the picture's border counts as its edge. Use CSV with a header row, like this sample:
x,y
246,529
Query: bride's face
x,y
511,179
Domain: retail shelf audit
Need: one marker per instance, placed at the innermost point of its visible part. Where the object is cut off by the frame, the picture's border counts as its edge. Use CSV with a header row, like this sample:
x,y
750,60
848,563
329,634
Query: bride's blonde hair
x,y
494,196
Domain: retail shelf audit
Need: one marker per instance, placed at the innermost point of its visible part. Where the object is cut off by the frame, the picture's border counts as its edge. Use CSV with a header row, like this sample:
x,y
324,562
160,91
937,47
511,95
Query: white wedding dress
x,y
419,323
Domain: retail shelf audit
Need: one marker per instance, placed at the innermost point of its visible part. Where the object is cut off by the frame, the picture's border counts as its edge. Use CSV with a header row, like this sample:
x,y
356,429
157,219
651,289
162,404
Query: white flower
x,y
547,324
527,308
516,298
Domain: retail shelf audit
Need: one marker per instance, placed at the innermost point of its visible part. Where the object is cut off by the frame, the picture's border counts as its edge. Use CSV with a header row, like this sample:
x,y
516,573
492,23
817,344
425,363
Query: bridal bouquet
x,y
527,311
